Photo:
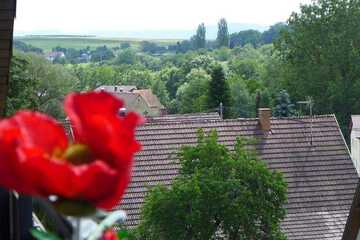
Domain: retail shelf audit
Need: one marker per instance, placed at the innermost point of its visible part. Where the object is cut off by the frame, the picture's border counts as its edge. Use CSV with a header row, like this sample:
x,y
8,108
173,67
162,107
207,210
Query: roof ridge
x,y
199,120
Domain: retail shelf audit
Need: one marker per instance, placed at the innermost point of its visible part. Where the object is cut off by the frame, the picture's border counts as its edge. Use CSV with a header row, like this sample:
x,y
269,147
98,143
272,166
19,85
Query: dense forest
x,y
315,55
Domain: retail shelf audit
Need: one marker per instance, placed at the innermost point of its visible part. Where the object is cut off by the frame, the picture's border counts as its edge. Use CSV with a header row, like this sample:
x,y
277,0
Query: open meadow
x,y
47,43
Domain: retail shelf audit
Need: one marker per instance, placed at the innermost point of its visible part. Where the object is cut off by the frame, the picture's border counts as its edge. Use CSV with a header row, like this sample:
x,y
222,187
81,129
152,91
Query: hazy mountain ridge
x,y
211,32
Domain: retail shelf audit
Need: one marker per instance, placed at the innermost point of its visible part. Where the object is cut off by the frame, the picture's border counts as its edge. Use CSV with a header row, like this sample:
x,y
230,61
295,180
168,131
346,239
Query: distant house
x,y
116,88
84,58
141,101
309,151
51,56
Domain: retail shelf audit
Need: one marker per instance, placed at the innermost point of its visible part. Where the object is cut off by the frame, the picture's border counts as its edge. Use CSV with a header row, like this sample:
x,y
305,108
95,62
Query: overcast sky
x,y
120,15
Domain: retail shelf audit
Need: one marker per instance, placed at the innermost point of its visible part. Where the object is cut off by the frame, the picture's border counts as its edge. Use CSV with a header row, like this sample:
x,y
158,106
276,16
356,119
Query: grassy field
x,y
48,42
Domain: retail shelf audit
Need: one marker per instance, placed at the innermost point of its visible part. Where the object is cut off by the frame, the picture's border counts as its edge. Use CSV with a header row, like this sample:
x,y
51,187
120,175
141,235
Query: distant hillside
x,y
156,34
48,42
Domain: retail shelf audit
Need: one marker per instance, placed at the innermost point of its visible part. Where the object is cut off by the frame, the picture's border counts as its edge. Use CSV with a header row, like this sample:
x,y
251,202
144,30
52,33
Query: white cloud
x,y
90,15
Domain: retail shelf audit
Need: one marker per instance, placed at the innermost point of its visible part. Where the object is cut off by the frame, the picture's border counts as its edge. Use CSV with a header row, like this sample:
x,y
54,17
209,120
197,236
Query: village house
x,y
309,151
51,56
355,141
142,101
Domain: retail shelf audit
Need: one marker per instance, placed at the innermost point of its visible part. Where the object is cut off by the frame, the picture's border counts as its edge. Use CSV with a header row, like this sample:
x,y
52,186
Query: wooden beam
x,y
7,14
6,25
7,5
6,35
5,45
5,54
4,72
4,63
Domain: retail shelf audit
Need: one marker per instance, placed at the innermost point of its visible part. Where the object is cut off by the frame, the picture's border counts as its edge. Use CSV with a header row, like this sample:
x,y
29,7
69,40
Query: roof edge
x,y
251,119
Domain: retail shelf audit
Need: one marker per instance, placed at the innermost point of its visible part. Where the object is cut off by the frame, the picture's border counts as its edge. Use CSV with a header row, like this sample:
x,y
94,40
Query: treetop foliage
x,y
222,39
284,107
321,56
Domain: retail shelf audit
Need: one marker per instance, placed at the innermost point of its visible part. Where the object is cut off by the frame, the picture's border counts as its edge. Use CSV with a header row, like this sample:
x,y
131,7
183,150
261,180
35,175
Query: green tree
x,y
321,52
38,85
126,56
284,107
242,38
173,78
192,95
142,78
125,45
219,91
159,89
218,193
101,54
199,39
199,61
22,88
273,33
243,101
223,34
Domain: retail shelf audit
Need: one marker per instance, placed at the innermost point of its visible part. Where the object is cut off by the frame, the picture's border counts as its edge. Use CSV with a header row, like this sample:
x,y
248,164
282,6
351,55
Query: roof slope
x,y
188,117
116,88
150,98
321,177
352,227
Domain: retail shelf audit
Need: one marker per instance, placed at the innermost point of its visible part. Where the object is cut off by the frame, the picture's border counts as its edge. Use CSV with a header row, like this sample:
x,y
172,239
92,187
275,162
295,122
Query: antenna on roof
x,y
221,110
309,102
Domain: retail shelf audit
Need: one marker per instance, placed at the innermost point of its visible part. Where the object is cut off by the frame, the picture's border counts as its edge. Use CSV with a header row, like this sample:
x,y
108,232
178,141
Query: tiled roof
x,y
116,88
190,117
130,93
150,98
321,177
129,99
352,227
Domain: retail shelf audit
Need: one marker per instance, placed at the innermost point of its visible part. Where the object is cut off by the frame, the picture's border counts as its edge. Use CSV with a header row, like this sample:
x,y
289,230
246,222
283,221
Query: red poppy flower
x,y
110,235
36,157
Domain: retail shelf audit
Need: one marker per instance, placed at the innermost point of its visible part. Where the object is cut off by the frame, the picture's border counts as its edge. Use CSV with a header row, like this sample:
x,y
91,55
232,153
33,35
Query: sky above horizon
x,y
85,16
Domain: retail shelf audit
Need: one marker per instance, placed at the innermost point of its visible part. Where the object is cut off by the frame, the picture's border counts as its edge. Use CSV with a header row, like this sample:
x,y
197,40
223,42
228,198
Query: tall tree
x,y
284,107
192,95
38,85
273,33
223,34
322,54
199,39
242,38
218,193
22,87
219,91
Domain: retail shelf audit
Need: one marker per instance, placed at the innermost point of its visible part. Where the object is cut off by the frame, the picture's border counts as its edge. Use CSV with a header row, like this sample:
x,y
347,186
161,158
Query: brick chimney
x,y
265,118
